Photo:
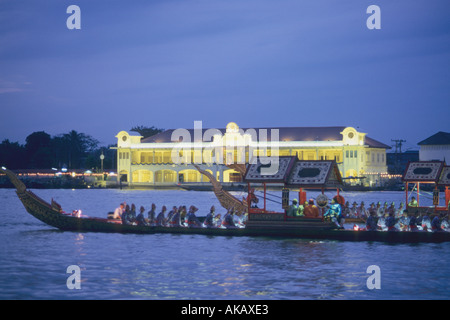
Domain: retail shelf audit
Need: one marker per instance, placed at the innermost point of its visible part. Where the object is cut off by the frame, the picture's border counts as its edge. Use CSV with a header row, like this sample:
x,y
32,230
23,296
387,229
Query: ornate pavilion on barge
x,y
168,158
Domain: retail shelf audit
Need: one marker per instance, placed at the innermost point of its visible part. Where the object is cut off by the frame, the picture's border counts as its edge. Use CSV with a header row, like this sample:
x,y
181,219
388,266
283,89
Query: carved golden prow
x,y
20,186
227,200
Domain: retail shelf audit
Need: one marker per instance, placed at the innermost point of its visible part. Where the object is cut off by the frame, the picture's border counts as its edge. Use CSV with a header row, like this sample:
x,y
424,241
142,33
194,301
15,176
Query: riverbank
x,y
86,182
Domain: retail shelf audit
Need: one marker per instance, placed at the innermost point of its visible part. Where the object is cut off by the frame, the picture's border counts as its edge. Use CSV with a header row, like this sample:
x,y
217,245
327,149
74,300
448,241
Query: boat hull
x,y
285,229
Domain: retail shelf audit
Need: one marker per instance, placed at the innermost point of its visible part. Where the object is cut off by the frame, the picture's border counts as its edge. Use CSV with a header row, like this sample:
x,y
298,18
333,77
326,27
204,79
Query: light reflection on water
x,y
34,258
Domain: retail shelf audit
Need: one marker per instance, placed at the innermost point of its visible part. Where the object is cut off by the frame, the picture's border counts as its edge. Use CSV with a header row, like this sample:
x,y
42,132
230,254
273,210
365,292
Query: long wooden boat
x,y
258,224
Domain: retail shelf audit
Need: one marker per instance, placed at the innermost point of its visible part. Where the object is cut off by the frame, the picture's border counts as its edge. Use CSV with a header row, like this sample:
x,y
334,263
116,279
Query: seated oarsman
x,y
209,220
191,218
371,222
426,222
140,219
362,211
354,210
152,214
391,208
400,209
127,215
403,221
436,223
390,222
412,222
175,218
228,219
132,214
118,212
161,218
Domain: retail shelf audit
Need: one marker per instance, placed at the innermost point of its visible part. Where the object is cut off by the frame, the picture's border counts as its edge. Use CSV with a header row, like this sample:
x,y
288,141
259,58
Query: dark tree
x,y
146,131
38,150
73,148
12,155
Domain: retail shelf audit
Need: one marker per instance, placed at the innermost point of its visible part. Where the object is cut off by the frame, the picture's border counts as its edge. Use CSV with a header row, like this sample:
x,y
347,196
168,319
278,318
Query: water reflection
x,y
34,258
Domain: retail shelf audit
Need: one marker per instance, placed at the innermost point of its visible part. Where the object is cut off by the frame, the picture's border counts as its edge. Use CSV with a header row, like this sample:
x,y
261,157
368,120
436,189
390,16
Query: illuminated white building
x,y
166,158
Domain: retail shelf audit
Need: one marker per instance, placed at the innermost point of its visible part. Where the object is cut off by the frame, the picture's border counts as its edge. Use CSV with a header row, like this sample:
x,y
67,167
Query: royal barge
x,y
261,222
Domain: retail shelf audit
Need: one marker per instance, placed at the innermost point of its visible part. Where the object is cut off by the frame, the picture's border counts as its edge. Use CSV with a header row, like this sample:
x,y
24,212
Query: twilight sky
x,y
260,63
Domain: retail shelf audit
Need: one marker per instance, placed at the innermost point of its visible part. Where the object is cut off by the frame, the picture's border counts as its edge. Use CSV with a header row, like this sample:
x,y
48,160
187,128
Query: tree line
x,y
72,150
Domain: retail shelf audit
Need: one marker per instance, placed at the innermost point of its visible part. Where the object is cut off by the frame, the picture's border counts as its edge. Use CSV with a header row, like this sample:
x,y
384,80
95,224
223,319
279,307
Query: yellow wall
x,y
353,157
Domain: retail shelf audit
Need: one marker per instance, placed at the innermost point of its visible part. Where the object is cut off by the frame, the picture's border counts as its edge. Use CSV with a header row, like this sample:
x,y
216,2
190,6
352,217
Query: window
x,y
124,155
347,154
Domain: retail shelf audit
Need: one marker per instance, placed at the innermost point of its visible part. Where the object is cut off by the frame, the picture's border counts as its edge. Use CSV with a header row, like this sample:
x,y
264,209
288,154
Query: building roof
x,y
285,134
439,138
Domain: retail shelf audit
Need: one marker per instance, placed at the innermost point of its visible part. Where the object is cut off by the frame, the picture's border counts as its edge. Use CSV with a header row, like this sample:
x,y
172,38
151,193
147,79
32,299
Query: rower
x,y
132,214
209,220
354,210
371,222
126,215
346,210
426,222
385,208
400,210
118,212
362,212
183,212
160,219
191,218
152,214
403,221
412,221
390,222
140,220
379,209
228,220
436,223
391,208
372,209
175,218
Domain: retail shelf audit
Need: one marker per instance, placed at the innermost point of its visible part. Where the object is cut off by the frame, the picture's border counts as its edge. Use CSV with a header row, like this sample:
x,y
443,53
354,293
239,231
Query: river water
x,y
34,258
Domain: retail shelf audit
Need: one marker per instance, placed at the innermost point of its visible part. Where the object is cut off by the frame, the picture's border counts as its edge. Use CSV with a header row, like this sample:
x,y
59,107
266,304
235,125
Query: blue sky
x,y
260,63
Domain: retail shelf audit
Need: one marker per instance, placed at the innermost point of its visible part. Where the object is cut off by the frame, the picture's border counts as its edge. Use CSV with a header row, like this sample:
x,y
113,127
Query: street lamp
x,y
102,156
